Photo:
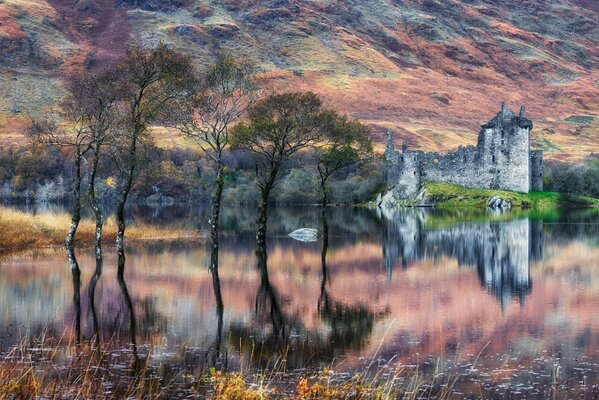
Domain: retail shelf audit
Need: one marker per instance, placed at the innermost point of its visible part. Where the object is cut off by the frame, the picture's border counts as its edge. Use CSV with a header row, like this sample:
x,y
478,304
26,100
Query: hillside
x,y
431,70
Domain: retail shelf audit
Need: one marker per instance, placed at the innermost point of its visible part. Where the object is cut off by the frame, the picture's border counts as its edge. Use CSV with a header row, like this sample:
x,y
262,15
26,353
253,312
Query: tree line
x,y
225,110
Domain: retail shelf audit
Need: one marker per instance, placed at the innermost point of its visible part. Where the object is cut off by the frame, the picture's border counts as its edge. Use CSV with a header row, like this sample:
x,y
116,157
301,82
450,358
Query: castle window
x,y
414,172
493,158
401,158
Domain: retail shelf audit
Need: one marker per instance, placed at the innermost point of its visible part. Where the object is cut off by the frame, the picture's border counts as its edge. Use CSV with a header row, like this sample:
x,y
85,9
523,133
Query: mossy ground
x,y
448,195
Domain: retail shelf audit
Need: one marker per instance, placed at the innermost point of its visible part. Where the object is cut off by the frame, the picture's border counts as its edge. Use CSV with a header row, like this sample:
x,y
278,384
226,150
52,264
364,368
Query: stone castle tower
x,y
502,159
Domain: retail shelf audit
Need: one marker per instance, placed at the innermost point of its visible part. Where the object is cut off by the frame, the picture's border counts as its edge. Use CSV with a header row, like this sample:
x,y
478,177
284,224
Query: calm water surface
x,y
509,303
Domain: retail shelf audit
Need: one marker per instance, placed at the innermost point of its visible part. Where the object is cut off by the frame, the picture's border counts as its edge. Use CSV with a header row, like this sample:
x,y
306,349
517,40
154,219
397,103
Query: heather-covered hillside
x,y
432,70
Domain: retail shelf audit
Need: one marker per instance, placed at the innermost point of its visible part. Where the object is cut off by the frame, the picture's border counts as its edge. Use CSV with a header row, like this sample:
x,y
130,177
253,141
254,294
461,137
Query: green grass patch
x,y
448,195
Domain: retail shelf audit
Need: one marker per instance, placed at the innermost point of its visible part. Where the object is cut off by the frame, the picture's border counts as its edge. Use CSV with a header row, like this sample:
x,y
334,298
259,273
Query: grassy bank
x,y
448,195
45,229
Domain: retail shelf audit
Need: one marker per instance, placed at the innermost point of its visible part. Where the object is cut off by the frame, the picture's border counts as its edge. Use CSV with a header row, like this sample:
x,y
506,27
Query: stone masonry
x,y
502,159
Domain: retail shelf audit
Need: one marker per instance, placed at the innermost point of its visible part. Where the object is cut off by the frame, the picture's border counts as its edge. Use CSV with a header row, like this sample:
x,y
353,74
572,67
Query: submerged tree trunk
x,y
263,207
323,301
215,217
120,210
76,213
92,297
267,300
219,314
130,309
76,273
93,201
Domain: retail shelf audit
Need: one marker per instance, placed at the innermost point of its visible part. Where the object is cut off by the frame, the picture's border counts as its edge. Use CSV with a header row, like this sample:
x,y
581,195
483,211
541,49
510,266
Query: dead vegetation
x,y
48,229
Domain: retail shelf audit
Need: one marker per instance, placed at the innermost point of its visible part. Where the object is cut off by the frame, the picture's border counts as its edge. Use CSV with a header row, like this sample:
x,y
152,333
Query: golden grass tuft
x,y
20,229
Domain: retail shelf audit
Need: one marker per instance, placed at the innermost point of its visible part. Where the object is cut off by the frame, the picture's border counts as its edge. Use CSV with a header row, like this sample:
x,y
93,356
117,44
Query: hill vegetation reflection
x,y
390,285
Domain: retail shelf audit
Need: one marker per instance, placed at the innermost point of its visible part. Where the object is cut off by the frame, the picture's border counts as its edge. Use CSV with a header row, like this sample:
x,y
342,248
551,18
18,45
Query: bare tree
x,y
153,84
87,114
223,95
75,135
278,127
93,99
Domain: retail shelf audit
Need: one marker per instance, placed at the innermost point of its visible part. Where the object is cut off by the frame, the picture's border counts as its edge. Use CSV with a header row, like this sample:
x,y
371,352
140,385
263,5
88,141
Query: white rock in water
x,y
499,203
305,235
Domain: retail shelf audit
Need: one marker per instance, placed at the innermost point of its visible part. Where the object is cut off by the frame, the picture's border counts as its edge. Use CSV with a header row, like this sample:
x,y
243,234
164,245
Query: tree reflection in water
x,y
92,296
216,351
275,339
130,309
351,324
76,273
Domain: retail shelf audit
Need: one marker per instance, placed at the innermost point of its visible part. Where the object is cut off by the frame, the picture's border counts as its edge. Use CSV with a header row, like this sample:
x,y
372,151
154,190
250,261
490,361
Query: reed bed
x,y
20,230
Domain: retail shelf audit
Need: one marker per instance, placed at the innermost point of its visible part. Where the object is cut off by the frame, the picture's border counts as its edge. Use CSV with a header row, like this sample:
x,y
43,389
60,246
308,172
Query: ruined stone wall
x,y
407,172
513,155
461,167
536,170
502,159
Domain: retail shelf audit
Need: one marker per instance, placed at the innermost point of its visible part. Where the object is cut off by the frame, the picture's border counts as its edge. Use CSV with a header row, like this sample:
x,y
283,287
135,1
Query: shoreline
x,y
22,230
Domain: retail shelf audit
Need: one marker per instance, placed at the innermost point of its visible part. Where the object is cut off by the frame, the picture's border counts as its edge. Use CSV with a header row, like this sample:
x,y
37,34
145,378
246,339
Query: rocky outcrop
x,y
397,197
499,203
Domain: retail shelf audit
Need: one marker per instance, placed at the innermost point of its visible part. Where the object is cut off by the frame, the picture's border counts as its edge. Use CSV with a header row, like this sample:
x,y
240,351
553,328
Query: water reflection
x,y
501,251
92,296
129,306
220,308
414,284
350,324
76,273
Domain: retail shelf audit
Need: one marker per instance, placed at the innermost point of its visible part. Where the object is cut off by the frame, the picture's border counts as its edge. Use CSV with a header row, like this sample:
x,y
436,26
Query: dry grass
x,y
58,368
20,229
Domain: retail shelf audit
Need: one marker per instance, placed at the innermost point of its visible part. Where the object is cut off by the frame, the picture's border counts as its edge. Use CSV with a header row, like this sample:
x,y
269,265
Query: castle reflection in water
x,y
502,252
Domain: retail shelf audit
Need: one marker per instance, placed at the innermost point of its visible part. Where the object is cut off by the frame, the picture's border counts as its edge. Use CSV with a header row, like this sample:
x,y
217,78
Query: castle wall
x,y
512,167
502,159
460,167
407,172
536,170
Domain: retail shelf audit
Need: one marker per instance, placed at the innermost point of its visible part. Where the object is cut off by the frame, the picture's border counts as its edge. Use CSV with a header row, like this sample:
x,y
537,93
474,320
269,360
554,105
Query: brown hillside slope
x,y
432,70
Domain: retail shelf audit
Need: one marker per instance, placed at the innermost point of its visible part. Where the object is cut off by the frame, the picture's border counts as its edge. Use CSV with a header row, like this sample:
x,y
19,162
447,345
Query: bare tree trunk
x,y
325,199
263,207
214,219
120,210
76,213
93,201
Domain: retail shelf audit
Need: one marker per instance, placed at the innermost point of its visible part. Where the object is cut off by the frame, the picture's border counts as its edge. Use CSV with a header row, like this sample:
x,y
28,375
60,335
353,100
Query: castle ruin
x,y
502,159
